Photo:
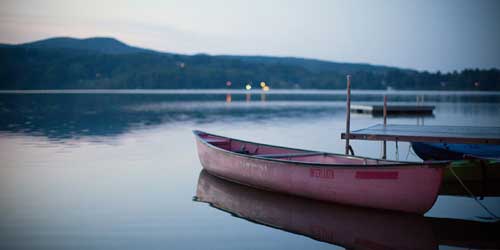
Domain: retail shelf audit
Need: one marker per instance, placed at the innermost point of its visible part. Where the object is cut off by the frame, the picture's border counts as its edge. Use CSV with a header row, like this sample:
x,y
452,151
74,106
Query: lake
x,y
119,170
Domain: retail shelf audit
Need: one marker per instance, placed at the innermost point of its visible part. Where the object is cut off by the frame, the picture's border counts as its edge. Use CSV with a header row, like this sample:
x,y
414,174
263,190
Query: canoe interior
x,y
281,153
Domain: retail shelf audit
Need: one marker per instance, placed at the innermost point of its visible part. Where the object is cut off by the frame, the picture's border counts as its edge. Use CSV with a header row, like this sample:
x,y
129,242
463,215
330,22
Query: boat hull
x,y
483,163
473,171
404,188
444,151
346,226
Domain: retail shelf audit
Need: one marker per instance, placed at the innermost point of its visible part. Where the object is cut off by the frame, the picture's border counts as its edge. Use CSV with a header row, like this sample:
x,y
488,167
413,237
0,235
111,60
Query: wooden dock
x,y
415,133
394,109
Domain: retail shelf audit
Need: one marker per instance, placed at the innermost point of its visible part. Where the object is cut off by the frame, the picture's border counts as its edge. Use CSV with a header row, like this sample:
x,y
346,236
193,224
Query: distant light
x,y
476,84
248,87
262,84
265,88
229,83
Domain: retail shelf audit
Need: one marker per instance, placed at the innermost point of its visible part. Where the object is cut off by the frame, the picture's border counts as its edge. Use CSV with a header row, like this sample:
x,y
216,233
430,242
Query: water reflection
x,y
110,113
110,191
63,116
349,227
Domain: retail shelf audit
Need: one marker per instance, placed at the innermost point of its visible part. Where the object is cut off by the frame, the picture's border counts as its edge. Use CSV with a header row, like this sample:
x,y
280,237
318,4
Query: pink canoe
x,y
403,186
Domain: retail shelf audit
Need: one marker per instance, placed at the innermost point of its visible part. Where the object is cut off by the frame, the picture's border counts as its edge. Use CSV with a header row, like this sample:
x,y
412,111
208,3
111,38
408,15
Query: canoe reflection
x,y
349,227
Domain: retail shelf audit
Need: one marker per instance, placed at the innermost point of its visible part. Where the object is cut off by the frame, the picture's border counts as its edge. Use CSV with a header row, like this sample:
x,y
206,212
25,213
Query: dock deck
x,y
394,109
415,133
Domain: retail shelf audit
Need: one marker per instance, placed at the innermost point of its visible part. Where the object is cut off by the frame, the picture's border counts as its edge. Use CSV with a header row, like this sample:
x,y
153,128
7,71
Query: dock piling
x,y
384,143
348,115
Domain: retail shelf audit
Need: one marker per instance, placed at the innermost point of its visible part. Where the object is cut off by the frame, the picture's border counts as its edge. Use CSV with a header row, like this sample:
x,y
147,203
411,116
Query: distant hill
x,y
113,46
99,44
313,65
106,63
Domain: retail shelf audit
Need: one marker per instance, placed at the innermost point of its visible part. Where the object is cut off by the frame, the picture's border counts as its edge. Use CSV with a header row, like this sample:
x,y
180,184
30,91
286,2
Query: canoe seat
x,y
242,150
289,155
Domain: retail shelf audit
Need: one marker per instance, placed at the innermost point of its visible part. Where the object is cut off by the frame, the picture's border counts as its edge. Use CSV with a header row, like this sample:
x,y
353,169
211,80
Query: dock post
x,y
348,115
384,143
385,110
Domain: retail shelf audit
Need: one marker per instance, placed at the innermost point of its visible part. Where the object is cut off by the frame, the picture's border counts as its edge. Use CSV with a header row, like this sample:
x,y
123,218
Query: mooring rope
x,y
412,152
408,153
471,194
397,151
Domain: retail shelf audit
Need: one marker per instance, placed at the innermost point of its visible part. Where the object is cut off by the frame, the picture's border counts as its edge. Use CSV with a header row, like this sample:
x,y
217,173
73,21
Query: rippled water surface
x,y
119,170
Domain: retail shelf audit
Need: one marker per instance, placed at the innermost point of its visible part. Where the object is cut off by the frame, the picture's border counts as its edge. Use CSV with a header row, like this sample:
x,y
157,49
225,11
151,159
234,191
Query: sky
x,y
443,35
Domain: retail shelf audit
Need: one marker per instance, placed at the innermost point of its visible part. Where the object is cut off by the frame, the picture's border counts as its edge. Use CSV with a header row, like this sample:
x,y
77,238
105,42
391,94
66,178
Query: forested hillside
x,y
106,63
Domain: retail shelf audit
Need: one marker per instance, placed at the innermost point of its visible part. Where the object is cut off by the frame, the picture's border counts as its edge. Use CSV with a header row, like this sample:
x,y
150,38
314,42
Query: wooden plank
x,y
393,109
414,133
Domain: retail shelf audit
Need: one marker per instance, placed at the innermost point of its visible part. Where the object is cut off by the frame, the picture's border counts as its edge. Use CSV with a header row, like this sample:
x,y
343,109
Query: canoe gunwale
x,y
394,164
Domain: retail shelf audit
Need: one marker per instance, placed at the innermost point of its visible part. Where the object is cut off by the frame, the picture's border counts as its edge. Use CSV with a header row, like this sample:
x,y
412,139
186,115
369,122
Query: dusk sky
x,y
424,35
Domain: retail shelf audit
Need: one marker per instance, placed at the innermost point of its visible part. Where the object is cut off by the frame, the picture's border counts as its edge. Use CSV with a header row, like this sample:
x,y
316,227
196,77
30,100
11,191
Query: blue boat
x,y
445,151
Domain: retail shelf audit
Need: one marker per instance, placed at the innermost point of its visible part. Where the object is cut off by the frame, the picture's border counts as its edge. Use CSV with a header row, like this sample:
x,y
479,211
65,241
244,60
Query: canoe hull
x,y
346,226
483,163
445,151
473,171
410,188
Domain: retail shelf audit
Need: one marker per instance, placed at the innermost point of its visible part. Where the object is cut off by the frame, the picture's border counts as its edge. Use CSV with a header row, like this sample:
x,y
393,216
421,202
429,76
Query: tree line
x,y
56,68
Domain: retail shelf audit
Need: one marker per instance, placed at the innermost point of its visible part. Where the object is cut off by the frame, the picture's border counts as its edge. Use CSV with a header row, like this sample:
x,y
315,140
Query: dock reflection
x,y
346,226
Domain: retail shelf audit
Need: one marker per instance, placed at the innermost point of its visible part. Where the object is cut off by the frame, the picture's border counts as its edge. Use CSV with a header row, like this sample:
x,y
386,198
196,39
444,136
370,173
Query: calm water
x,y
119,170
